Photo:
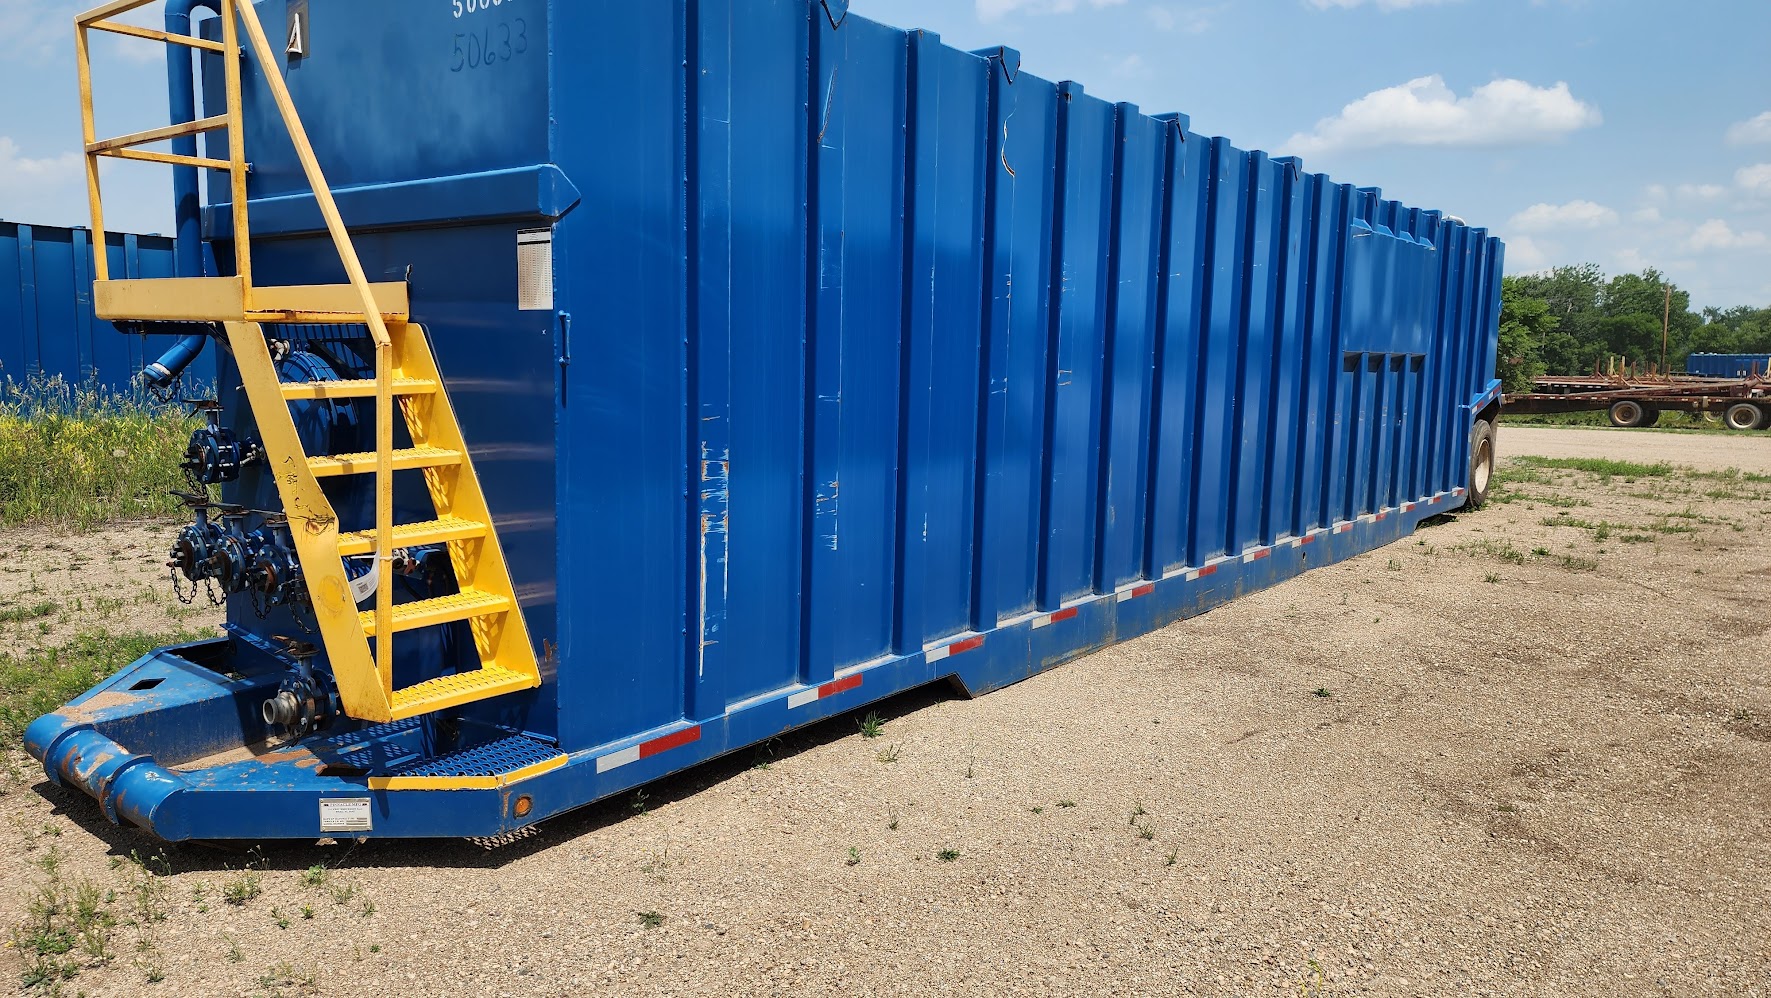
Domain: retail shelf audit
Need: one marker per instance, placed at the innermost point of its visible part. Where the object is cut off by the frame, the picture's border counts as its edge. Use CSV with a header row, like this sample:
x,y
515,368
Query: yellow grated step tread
x,y
308,391
406,459
452,691
439,531
464,605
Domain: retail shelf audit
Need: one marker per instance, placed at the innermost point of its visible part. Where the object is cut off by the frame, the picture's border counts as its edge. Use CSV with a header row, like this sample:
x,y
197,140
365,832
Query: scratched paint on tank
x,y
1019,189
751,305
858,301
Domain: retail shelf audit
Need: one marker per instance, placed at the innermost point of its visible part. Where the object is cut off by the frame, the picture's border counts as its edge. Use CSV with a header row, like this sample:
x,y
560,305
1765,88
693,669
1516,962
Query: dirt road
x,y
1708,451
1524,752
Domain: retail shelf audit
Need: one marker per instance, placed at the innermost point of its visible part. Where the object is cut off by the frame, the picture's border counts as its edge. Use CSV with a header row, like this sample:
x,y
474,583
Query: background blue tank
x,y
806,360
46,320
1729,365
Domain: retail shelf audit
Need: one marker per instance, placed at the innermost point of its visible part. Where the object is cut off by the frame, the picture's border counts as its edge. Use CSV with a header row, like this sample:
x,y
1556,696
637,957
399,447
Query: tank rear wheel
x,y
1481,462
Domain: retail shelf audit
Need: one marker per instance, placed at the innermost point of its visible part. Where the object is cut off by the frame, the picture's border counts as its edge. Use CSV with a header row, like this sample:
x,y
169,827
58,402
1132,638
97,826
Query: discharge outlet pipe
x,y
186,185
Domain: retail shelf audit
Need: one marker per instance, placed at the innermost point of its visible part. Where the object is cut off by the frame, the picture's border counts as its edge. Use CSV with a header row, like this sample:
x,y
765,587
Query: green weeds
x,y
85,454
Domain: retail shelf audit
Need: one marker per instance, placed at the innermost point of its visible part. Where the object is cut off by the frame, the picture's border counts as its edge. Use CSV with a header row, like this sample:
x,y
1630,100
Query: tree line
x,y
1572,320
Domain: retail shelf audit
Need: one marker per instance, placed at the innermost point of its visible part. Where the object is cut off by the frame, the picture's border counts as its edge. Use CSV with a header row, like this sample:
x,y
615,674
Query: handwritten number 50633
x,y
490,46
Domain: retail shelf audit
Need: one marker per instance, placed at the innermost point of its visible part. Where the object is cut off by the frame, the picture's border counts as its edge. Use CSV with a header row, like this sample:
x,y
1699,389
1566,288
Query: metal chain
x,y
178,588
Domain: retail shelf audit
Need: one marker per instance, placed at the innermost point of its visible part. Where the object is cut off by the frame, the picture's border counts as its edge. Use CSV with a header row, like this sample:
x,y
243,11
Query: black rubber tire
x,y
1744,416
1628,413
1481,462
1650,415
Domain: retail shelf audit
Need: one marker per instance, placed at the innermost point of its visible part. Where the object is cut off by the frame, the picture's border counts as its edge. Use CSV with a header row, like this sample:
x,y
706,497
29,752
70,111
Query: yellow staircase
x,y
405,374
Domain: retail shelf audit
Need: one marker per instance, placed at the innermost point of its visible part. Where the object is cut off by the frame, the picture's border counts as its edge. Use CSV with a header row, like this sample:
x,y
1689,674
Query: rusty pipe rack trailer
x,y
729,366
1741,403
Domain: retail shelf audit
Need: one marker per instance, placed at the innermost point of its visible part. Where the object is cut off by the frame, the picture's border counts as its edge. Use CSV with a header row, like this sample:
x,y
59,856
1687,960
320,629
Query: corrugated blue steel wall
x,y
46,321
886,343
860,343
1728,365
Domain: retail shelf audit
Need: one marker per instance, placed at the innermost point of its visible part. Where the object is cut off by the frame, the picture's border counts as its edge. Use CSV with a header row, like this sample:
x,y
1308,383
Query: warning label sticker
x,y
346,814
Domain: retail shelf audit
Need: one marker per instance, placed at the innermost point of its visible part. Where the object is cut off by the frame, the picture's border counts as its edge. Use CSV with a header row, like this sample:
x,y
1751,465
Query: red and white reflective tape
x,y
1133,592
645,750
818,693
1457,492
1202,573
1309,538
1434,501
956,648
1408,507
1250,557
1048,619
1343,527
1380,515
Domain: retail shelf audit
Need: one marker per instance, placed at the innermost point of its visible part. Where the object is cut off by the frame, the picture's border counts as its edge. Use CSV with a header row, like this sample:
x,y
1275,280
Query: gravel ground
x,y
1500,757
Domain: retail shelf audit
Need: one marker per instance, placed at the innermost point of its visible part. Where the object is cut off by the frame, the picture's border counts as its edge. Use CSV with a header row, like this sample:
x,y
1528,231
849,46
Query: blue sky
x,y
1627,133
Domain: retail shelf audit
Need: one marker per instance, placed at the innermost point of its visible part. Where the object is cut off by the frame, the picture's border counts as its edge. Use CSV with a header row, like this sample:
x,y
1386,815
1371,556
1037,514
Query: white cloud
x,y
1755,179
1380,4
1647,216
1425,112
1700,192
994,10
1526,255
1192,20
1555,217
1753,131
1716,234
28,181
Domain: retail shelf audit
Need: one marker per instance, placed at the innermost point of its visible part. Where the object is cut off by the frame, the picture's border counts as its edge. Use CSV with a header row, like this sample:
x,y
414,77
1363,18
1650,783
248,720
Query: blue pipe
x,y
187,205
186,180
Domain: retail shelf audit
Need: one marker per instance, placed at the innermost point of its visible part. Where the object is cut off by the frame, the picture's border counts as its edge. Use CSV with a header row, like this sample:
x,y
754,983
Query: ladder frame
x,y
236,14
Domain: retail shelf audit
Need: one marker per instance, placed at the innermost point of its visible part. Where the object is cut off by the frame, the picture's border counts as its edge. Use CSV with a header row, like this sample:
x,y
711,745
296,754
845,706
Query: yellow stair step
x,y
313,391
439,531
464,605
333,465
453,691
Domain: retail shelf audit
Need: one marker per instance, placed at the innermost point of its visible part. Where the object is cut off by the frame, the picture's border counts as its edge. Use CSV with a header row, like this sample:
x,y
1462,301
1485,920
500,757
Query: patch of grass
x,y
284,974
1500,550
1066,803
242,888
1601,466
947,855
854,856
889,754
35,682
87,454
650,919
871,725
1491,578
35,611
1322,692
1575,564
314,877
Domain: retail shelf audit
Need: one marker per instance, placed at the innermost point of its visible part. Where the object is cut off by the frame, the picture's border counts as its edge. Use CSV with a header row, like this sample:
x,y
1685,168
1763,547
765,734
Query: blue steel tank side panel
x,y
1220,358
1183,287
857,301
1020,191
630,486
1139,210
751,128
1251,462
1074,374
1285,424
944,284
